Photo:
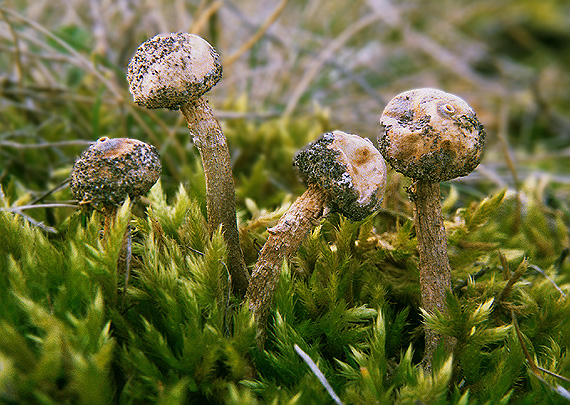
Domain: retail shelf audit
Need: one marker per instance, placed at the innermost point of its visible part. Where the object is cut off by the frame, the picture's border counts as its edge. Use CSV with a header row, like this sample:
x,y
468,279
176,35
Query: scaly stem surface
x,y
435,271
220,192
284,241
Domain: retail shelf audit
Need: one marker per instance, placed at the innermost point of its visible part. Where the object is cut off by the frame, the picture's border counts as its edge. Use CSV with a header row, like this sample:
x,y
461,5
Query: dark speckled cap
x,y
111,169
346,167
170,70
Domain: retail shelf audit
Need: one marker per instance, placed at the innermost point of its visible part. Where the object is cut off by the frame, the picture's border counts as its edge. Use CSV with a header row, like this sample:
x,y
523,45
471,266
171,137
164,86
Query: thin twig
x,y
32,206
534,367
526,353
31,220
60,186
250,115
315,369
561,377
538,269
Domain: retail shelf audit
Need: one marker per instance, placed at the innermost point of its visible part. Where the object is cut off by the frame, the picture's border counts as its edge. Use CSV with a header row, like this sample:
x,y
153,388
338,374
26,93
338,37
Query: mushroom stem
x,y
109,214
284,240
434,268
211,143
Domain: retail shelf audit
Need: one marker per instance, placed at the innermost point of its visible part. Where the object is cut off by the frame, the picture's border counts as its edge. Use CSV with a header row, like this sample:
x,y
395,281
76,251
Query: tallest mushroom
x,y
174,71
431,136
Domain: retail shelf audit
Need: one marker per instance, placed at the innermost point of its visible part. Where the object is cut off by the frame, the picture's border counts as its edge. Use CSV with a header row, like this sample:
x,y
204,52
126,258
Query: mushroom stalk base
x,y
434,268
211,142
284,240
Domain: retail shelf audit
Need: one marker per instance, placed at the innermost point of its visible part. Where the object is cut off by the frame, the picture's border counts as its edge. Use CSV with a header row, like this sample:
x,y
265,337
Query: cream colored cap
x,y
167,71
348,168
428,134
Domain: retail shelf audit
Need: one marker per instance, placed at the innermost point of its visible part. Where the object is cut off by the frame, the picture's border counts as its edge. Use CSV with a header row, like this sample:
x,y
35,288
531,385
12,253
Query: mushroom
x,y
431,136
112,169
342,172
174,71
109,171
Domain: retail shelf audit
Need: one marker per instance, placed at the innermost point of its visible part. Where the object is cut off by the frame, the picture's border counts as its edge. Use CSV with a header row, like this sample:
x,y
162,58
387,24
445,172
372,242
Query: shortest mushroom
x,y
112,169
109,171
343,172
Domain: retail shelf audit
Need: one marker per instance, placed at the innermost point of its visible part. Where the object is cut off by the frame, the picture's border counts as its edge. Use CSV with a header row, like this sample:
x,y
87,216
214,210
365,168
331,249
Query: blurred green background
x,y
309,65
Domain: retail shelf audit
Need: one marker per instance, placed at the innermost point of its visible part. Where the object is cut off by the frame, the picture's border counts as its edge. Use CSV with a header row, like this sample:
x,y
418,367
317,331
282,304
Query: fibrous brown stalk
x,y
434,268
211,142
284,240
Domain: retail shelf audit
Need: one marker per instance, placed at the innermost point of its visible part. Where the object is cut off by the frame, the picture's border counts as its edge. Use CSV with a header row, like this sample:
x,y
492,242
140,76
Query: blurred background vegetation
x,y
310,66
292,70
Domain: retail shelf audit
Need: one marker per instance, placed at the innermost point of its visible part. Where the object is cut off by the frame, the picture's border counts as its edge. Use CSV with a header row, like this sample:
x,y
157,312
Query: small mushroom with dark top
x,y
112,169
431,136
343,173
174,71
109,171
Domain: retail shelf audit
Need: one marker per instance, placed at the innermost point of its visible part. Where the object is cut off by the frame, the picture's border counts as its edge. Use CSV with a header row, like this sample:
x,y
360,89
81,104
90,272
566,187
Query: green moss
x,y
350,299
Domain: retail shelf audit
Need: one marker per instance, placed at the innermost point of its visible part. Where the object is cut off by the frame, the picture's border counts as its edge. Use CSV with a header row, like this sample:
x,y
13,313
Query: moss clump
x,y
349,299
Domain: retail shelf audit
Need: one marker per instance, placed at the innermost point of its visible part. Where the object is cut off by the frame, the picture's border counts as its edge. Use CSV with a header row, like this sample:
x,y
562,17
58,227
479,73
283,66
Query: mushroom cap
x,y
167,71
431,135
111,169
348,168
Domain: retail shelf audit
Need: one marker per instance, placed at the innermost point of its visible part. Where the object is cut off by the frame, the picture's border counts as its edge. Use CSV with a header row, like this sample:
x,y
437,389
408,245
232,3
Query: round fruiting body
x,y
112,169
167,71
428,134
348,168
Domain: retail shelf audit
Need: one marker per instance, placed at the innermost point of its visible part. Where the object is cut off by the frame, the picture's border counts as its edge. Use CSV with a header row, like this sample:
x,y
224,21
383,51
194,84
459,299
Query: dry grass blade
x,y
257,36
318,373
33,206
538,269
205,17
79,59
18,145
417,41
17,51
533,366
327,53
120,95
